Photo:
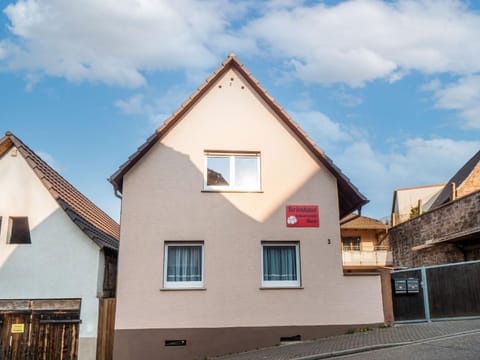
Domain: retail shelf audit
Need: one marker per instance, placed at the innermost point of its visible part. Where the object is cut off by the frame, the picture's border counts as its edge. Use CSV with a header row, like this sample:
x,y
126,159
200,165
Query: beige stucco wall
x,y
60,262
163,200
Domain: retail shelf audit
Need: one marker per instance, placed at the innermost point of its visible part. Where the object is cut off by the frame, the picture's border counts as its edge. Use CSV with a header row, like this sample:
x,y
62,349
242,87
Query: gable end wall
x,y
61,261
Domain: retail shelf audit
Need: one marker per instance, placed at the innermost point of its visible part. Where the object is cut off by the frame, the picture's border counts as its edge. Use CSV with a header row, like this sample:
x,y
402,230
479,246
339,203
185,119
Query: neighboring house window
x,y
18,231
237,172
351,243
183,266
280,265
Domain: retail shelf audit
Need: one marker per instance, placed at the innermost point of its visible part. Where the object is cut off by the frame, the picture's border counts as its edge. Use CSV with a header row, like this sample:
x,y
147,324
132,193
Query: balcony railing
x,y
379,256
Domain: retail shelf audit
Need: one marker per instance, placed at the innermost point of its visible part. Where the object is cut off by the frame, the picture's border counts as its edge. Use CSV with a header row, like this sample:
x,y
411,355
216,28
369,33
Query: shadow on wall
x,y
163,200
57,253
171,184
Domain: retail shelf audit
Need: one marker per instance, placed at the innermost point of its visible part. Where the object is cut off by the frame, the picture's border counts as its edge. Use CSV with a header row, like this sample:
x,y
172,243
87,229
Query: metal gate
x,y
39,329
438,292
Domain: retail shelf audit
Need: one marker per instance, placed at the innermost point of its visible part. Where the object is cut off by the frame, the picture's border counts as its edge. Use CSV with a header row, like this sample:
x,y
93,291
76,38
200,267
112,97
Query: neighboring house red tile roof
x,y
457,179
353,221
350,199
95,223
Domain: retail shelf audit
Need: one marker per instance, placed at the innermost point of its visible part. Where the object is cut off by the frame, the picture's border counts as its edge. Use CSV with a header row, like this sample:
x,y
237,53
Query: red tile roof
x,y
353,221
350,199
95,223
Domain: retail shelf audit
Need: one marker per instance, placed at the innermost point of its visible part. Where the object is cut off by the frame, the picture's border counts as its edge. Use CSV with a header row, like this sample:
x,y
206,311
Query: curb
x,y
351,351
382,346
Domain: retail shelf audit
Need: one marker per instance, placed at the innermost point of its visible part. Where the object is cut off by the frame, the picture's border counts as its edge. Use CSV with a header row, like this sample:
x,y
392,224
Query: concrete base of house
x,y
199,343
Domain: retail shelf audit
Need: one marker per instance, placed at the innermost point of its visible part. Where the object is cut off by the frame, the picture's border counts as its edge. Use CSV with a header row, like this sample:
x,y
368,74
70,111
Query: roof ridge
x,y
349,196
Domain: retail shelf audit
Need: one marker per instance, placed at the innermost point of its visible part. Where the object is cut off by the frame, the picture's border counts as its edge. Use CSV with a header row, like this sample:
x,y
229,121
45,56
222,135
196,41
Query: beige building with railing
x,y
365,246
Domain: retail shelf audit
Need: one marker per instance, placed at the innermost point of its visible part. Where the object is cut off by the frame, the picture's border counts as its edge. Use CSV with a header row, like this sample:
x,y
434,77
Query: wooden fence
x,y
39,329
436,292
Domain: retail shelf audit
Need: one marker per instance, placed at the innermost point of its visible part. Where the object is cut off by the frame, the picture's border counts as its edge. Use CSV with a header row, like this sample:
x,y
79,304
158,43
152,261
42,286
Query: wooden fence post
x,y
106,328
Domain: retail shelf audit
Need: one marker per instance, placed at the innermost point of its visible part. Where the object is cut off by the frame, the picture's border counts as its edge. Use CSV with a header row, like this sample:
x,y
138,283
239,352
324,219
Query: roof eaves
x,y
117,178
100,238
344,181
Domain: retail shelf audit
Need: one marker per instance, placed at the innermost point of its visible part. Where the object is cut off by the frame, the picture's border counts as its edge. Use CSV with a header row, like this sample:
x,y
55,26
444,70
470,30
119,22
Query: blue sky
x,y
389,89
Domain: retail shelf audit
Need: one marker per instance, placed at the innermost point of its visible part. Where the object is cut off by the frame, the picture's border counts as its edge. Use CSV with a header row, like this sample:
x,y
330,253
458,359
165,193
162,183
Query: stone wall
x,y
444,222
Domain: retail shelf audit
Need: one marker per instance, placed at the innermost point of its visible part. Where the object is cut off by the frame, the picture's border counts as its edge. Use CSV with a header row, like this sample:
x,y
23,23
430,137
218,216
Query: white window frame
x,y
286,283
182,284
231,157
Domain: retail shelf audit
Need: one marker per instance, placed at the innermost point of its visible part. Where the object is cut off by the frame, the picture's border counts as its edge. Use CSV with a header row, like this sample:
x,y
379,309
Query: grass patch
x,y
358,330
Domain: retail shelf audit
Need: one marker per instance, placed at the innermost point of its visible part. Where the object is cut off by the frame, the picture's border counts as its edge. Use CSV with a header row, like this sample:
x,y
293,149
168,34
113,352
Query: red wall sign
x,y
302,216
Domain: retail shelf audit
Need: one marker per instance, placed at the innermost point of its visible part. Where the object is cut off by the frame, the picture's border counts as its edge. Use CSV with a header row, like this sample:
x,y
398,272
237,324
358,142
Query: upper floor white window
x,y
232,171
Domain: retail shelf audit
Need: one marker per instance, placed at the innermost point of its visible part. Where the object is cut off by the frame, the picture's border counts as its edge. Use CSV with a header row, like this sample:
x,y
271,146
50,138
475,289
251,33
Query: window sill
x,y
361,273
183,289
281,288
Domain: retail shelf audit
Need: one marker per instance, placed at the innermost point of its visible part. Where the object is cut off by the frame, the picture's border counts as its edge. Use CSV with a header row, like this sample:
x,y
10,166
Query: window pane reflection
x,y
218,171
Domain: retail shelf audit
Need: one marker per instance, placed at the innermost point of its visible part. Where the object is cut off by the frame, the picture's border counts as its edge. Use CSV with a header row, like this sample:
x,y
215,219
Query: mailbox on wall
x,y
405,286
400,286
413,286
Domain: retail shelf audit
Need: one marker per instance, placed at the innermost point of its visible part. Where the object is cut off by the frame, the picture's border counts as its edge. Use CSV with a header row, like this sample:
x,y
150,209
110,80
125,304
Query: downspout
x,y
117,194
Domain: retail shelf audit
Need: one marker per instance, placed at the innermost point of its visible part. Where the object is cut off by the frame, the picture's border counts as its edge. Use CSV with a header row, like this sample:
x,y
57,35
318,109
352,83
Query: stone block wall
x,y
471,183
457,216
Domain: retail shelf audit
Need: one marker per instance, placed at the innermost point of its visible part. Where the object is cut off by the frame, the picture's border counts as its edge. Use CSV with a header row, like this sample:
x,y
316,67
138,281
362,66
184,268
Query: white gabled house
x,y
58,254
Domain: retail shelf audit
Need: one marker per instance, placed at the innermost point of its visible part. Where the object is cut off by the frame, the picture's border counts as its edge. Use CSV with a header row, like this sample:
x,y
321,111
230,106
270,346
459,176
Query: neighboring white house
x,y
412,201
230,235
57,259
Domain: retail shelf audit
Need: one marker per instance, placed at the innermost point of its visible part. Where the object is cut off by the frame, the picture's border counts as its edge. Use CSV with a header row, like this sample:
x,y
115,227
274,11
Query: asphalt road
x,y
463,347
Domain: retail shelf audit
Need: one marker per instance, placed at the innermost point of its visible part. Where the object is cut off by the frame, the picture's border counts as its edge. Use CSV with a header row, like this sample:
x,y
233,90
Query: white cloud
x,y
432,85
362,40
353,42
413,162
3,49
462,96
326,133
407,162
117,41
155,109
134,105
346,98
